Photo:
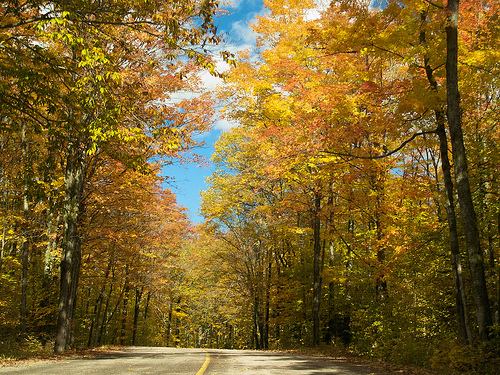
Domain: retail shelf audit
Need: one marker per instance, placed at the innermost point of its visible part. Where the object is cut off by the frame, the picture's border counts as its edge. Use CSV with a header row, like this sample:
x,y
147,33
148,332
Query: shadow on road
x,y
297,363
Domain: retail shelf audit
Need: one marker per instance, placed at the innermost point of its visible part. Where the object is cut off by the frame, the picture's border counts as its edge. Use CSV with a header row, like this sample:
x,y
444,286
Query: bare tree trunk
x,y
52,225
268,275
146,309
124,311
4,231
105,319
497,310
137,309
169,323
256,324
24,273
97,310
469,220
464,328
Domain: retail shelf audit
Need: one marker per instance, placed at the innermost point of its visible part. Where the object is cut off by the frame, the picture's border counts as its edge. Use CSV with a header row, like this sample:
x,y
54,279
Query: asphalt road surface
x,y
155,361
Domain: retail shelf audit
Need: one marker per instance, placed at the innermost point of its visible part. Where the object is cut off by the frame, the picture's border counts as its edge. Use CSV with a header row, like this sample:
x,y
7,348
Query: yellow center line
x,y
205,365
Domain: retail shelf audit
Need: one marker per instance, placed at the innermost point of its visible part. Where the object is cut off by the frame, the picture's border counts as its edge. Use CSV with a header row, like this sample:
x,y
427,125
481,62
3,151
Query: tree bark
x,y
25,226
74,179
169,323
464,329
93,338
24,284
316,226
137,309
256,330
123,329
52,225
105,319
469,219
268,302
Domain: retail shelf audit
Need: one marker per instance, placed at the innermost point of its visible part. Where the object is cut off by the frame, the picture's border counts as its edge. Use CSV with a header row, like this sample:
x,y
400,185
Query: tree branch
x,y
384,155
434,4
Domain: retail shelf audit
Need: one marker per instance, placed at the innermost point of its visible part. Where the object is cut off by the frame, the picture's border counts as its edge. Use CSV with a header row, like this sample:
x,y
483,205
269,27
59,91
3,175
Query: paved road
x,y
155,361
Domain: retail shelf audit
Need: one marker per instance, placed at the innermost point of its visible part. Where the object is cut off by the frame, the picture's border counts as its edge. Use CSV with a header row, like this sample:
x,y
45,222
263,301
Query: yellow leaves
x,y
276,107
484,59
301,231
93,56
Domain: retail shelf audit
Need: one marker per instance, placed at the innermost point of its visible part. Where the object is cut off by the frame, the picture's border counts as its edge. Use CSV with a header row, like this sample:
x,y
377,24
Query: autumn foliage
x,y
344,185
91,111
355,206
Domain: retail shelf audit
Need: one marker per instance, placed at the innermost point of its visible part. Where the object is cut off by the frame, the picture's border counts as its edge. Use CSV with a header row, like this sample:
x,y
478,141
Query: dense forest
x,y
355,206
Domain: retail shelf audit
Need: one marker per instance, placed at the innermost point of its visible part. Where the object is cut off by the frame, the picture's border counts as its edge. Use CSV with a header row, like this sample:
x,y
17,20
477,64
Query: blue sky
x,y
187,180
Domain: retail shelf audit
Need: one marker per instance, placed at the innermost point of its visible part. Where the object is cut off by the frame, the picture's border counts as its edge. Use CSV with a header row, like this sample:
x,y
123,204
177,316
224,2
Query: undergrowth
x,y
24,347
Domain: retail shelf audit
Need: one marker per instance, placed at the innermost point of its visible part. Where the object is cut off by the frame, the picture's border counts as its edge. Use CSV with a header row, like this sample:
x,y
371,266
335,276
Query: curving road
x,y
155,361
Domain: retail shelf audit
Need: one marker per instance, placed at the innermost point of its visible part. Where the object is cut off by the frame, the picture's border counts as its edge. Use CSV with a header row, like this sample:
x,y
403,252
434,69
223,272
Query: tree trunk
x,y
97,310
4,231
24,273
124,312
464,329
169,323
265,339
497,310
256,324
25,245
469,220
316,226
52,225
137,309
146,309
74,178
105,319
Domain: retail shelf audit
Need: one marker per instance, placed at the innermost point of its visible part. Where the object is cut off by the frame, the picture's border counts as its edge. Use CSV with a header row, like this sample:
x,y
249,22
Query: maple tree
x,y
347,110
134,230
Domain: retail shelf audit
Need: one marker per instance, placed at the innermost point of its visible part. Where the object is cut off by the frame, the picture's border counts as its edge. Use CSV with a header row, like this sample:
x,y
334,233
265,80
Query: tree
x,y
350,104
469,219
71,71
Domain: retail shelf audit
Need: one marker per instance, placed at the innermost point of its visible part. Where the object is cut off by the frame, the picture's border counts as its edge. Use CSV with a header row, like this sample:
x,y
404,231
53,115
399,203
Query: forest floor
x,y
13,359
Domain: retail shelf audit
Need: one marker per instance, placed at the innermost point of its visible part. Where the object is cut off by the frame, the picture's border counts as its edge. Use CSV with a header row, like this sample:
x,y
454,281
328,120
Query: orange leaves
x,y
348,83
134,221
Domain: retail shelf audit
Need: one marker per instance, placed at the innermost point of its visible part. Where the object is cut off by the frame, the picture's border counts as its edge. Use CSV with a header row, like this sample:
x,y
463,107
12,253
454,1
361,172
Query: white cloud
x,y
240,37
242,34
315,13
209,81
224,125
